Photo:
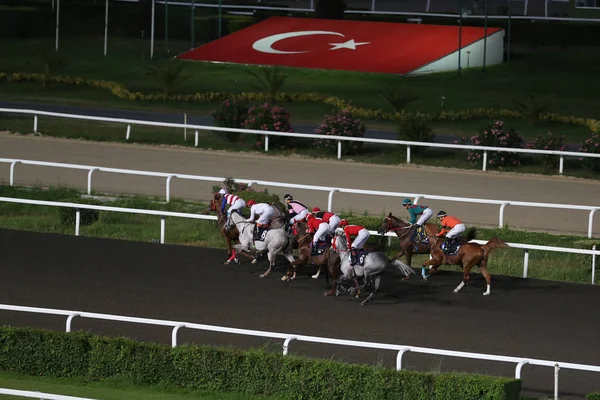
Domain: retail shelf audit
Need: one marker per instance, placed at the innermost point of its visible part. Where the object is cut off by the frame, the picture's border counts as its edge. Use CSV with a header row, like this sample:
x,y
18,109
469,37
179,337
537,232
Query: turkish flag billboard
x,y
338,45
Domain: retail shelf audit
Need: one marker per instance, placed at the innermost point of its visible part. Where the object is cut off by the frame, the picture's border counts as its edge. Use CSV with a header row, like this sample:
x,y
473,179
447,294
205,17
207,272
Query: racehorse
x,y
230,235
469,255
404,231
276,241
374,265
326,260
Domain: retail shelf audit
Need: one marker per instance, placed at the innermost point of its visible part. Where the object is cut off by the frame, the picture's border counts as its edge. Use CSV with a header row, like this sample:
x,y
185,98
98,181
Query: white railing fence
x,y
330,190
339,139
163,214
289,337
38,395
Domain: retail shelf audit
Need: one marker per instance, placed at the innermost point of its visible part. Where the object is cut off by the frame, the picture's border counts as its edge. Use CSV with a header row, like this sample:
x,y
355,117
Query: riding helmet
x,y
223,191
251,203
288,197
441,214
344,222
316,209
407,202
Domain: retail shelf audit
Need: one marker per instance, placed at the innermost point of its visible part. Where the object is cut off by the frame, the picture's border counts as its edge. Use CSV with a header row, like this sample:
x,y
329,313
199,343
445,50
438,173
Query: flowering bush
x,y
496,135
269,118
547,141
592,146
231,114
342,123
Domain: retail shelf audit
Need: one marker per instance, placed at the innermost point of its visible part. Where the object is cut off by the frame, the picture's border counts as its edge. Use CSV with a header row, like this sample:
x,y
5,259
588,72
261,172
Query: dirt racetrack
x,y
522,317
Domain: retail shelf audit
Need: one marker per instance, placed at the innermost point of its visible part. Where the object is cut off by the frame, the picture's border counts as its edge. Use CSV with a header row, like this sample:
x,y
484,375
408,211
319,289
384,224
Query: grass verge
x,y
542,264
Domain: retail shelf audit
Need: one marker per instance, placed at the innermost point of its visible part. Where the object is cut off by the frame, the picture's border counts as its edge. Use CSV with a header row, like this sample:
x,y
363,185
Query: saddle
x,y
358,256
260,233
451,246
420,236
322,245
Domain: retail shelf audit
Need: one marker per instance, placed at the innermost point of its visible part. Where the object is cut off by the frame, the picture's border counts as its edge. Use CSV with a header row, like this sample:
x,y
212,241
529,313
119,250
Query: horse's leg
x,y
488,278
434,263
466,276
408,262
271,256
376,282
231,252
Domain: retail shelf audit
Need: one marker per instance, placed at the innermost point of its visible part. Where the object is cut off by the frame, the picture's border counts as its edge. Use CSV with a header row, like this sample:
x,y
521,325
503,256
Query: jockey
x,y
362,235
263,210
296,209
235,204
417,210
332,219
320,227
451,227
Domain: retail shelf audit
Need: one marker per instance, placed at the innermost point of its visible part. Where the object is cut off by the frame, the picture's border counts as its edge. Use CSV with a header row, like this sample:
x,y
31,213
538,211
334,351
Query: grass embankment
x,y
544,265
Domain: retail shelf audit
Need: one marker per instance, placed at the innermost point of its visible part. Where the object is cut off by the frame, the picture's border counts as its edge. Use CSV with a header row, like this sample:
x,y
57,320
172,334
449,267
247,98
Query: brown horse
x,y
326,260
468,256
404,230
230,235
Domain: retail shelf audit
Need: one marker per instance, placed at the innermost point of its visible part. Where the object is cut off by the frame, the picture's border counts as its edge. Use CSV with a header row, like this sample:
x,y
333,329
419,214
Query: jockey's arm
x,y
413,215
223,204
251,214
348,238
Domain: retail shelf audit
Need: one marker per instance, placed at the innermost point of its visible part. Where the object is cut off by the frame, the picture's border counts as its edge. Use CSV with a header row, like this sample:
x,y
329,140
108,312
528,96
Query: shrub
x,y
547,141
416,130
231,114
496,135
67,215
342,123
330,9
269,118
584,261
593,396
591,146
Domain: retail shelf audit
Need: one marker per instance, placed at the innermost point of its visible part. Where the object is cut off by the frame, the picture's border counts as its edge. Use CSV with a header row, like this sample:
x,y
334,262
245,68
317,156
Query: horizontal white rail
x,y
339,139
331,190
163,214
38,395
401,349
382,12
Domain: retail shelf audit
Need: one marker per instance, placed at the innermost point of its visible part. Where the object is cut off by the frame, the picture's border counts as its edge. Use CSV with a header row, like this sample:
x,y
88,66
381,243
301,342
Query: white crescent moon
x,y
265,45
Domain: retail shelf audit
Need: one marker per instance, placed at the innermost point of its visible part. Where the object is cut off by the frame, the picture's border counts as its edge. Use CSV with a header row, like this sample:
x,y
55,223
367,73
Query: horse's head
x,y
338,243
212,206
391,224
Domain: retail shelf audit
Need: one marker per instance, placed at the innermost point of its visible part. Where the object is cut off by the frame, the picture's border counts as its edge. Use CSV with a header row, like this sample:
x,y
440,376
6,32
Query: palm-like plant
x,y
168,75
398,97
51,64
269,81
532,109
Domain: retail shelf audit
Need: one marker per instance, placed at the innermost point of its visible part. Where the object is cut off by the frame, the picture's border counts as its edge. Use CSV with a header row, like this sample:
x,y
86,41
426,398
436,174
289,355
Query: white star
x,y
350,44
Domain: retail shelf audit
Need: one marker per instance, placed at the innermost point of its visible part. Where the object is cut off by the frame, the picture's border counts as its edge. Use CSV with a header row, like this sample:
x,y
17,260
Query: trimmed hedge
x,y
254,372
584,261
593,396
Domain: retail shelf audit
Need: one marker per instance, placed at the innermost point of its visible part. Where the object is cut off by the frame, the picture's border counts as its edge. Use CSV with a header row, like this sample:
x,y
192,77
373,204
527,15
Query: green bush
x,y
415,130
269,118
67,215
593,396
231,114
252,372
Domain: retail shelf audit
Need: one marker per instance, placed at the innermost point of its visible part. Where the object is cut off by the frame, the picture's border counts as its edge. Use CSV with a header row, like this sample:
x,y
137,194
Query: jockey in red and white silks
x,y
235,204
332,219
297,210
263,210
318,226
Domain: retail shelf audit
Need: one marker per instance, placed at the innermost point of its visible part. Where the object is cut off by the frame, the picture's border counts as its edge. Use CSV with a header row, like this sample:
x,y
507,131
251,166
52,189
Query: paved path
x,y
522,317
408,179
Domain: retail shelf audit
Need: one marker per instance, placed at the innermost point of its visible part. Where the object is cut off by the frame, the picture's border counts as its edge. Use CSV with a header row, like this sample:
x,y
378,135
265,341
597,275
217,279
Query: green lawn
x,y
111,389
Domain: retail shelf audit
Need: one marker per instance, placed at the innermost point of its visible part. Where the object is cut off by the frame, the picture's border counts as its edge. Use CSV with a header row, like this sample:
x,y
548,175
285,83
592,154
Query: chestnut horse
x,y
230,235
468,256
327,260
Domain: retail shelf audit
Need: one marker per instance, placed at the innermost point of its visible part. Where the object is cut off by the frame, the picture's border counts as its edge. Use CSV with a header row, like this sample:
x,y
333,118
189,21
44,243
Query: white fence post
x,y
70,321
168,188
556,369
77,221
408,154
591,222
35,123
162,230
286,344
561,164
89,182
196,139
174,334
266,143
485,160
128,133
519,368
593,265
330,199
399,358
525,263
501,216
184,127
339,146
12,172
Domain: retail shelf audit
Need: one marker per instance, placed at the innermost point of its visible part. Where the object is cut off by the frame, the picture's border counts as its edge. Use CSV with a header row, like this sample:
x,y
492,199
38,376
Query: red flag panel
x,y
338,45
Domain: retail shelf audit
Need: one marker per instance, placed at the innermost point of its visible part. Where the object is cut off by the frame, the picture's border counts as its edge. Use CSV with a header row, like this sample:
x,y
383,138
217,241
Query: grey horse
x,y
276,242
375,264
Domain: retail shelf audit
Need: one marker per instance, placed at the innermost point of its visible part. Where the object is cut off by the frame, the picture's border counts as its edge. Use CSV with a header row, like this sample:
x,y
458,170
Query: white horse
x,y
373,267
276,242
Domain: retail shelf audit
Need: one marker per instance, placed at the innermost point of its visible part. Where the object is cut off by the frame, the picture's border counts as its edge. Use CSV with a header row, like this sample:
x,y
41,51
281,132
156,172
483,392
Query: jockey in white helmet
x,y
236,203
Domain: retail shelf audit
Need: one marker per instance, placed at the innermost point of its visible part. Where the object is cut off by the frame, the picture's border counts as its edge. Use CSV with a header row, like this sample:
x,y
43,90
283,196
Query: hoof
x,y
486,294
236,261
262,275
455,291
285,278
362,303
315,276
255,261
227,262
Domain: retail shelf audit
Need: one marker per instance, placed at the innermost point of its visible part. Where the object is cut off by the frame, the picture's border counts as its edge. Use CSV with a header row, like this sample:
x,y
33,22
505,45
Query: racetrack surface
x,y
522,317
299,170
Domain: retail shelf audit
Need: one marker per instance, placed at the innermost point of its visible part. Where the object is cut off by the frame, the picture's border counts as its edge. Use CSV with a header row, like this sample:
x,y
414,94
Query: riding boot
x,y
228,223
314,251
446,245
352,256
255,232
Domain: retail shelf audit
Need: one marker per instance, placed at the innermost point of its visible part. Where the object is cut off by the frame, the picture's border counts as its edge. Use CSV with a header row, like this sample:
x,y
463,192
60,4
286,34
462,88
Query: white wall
x,y
494,56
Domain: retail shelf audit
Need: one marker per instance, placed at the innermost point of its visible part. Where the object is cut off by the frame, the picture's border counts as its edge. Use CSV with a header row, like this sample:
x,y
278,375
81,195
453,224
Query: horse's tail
x,y
402,267
494,243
